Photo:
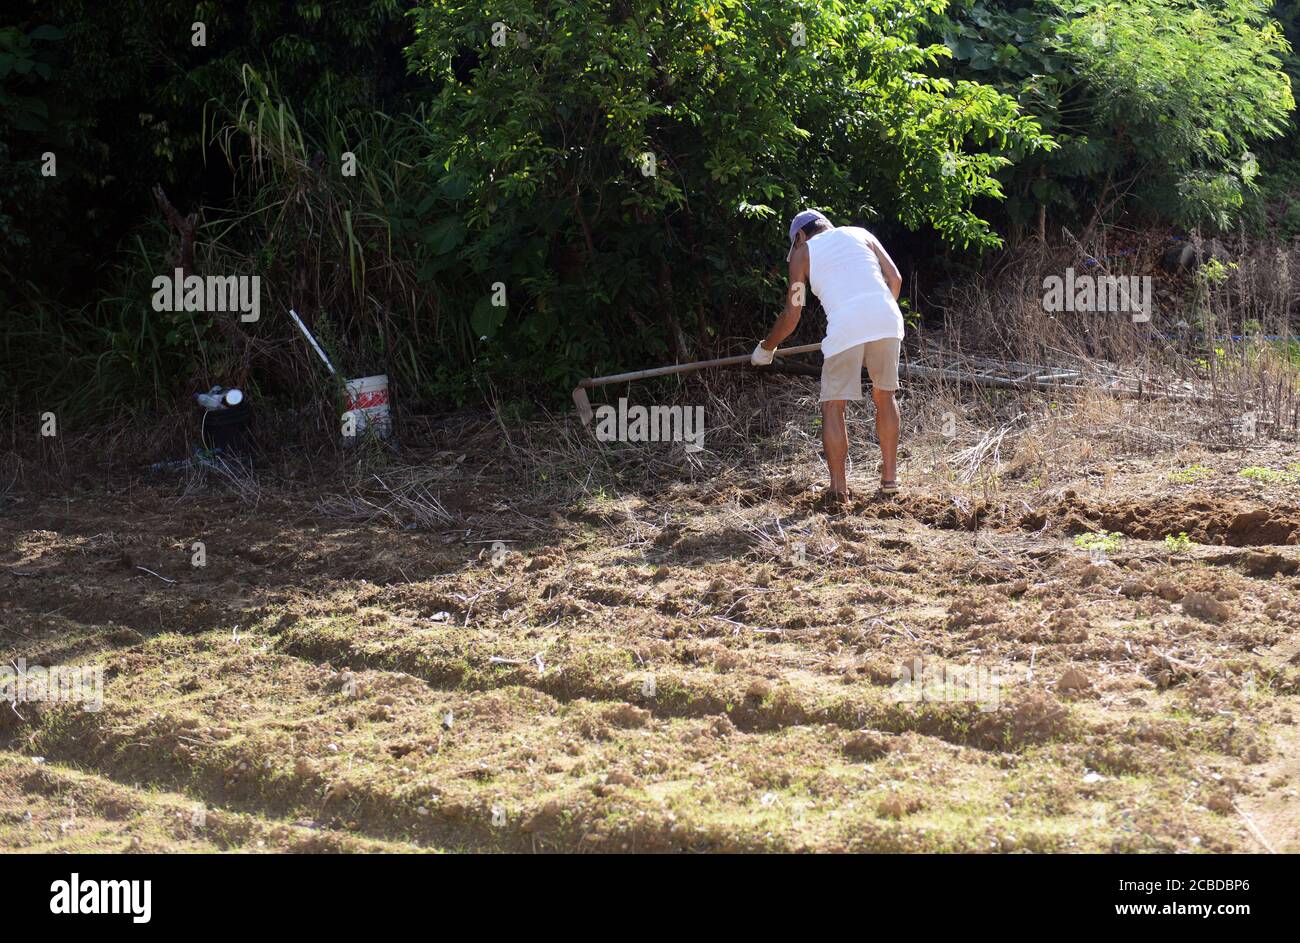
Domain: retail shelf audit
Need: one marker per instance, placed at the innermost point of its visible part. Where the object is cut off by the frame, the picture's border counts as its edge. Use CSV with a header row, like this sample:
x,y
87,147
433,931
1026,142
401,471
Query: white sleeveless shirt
x,y
845,276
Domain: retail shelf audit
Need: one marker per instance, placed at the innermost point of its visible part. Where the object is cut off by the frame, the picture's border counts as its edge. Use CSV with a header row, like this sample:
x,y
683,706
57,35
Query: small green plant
x,y
1101,541
1214,272
1271,476
1177,543
1190,475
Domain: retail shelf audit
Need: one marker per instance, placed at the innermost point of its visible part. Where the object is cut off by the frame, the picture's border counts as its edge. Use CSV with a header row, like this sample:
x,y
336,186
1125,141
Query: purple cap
x,y
802,219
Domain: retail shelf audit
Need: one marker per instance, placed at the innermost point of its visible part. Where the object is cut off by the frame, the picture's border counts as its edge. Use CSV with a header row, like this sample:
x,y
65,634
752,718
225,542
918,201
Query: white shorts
x,y
842,372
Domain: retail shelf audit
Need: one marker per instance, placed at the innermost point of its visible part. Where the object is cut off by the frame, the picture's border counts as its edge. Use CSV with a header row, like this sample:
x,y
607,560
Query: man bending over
x,y
858,284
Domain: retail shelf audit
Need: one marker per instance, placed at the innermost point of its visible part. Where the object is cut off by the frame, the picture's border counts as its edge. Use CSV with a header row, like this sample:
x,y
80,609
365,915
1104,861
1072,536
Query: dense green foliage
x,y
131,100
546,188
125,99
625,170
1274,208
1156,105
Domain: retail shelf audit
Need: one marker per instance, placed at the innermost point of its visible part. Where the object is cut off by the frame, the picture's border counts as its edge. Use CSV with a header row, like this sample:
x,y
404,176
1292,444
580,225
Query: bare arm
x,y
887,267
795,296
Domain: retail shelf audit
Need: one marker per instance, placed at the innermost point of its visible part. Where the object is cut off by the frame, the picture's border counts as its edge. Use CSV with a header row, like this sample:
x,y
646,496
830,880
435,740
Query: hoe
x,y
580,392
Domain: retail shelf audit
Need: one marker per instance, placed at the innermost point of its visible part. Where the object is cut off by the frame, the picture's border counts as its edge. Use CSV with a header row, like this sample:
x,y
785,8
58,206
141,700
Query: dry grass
x,y
1206,338
403,497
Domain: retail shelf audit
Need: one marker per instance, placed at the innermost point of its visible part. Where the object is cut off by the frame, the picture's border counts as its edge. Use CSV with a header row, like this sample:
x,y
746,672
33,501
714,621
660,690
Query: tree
x,y
642,157
1158,99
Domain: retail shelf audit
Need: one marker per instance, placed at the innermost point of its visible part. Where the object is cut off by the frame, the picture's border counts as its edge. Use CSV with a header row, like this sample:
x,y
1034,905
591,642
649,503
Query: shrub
x,y
626,170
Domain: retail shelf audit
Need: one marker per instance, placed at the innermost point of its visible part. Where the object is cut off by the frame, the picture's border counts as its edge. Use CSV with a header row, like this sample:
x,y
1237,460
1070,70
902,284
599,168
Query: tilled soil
x,y
716,665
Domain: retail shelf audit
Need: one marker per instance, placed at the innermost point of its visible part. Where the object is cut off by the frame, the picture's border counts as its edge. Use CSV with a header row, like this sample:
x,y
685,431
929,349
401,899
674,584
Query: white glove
x,y
761,356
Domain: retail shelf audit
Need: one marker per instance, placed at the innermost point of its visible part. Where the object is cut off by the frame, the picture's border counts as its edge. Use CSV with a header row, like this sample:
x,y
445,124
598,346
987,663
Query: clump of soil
x,y
866,745
1204,606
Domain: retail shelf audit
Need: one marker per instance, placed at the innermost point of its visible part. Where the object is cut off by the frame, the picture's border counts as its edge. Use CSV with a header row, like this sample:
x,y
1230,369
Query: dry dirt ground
x,y
703,659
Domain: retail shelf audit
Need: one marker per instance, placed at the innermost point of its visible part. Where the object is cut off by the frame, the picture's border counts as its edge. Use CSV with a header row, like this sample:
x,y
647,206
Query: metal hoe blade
x,y
584,405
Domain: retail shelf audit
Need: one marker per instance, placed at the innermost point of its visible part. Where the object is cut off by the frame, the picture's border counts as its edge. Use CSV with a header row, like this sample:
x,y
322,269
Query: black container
x,y
226,429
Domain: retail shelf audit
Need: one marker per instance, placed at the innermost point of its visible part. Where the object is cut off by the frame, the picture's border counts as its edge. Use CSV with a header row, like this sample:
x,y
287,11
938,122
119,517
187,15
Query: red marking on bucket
x,y
368,399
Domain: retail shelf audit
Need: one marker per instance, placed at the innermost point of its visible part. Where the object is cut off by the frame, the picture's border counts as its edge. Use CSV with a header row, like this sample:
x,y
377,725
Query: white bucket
x,y
368,404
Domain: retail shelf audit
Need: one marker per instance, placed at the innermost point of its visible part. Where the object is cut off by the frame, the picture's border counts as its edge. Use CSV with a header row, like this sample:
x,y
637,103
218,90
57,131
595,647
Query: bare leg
x,y
835,443
887,432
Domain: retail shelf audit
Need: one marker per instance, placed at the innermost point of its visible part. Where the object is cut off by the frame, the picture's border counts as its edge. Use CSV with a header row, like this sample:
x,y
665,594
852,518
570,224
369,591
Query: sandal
x,y
889,487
